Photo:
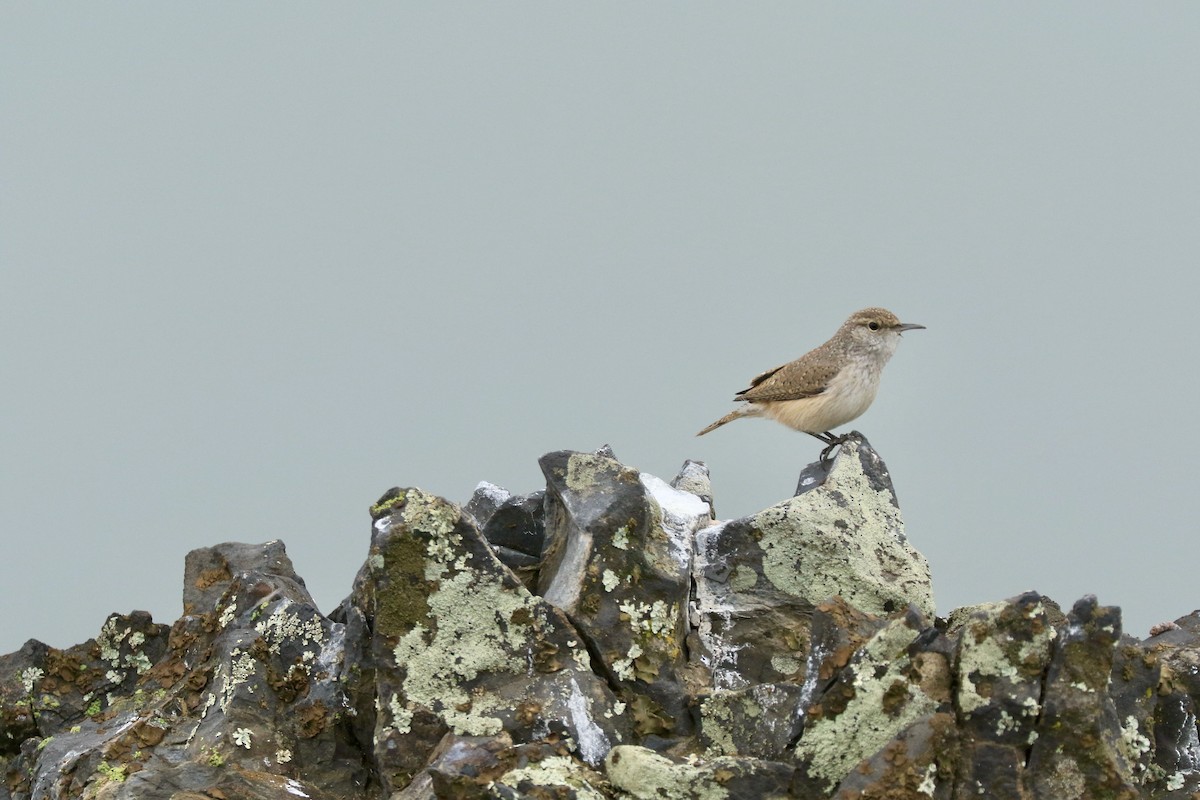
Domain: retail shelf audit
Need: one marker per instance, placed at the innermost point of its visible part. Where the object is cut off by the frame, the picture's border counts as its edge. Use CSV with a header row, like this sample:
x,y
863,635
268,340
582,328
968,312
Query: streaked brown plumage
x,y
829,385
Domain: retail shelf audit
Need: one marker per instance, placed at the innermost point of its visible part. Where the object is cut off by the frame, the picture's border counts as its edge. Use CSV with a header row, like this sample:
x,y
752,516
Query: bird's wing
x,y
805,377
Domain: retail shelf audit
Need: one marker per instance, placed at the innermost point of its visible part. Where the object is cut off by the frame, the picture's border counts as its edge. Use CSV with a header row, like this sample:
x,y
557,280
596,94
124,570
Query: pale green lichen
x,y
815,546
401,716
610,580
29,676
140,662
928,783
620,539
283,756
284,626
581,657
241,667
585,470
742,579
646,775
655,619
109,643
623,667
834,745
555,771
241,737
717,722
1133,744
109,772
988,653
785,664
478,628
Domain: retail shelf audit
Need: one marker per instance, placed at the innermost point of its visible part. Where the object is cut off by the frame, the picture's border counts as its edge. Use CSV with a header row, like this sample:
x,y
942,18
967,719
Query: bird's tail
x,y
748,410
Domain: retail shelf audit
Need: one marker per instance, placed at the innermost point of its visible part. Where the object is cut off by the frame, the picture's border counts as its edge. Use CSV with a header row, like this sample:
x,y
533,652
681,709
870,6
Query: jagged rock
x,y
1176,654
617,559
485,501
889,684
247,681
918,763
646,775
693,478
1078,753
803,663
513,526
457,645
762,720
759,578
1003,652
870,464
208,571
1135,691
470,767
20,674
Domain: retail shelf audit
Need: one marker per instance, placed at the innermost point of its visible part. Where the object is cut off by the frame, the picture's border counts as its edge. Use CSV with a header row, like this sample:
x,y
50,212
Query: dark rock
x,y
910,765
208,571
887,687
1004,650
870,464
248,681
1079,752
762,720
515,523
457,645
1134,688
791,653
21,675
617,559
513,526
493,767
759,578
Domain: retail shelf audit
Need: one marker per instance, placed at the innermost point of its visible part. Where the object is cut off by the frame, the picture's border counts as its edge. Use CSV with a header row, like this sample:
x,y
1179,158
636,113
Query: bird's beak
x,y
909,326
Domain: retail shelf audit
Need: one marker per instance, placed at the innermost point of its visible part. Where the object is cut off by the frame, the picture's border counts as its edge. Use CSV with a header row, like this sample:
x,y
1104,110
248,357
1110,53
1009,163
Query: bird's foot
x,y
832,443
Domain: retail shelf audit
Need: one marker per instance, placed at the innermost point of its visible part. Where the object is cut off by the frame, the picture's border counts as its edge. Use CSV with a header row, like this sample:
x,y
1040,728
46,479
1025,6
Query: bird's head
x,y
877,329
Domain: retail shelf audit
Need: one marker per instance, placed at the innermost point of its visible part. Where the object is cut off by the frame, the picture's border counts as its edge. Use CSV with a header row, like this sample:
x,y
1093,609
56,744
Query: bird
x,y
829,385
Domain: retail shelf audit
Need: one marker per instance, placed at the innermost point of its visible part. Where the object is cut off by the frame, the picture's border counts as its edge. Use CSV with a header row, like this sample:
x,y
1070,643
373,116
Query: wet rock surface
x,y
604,637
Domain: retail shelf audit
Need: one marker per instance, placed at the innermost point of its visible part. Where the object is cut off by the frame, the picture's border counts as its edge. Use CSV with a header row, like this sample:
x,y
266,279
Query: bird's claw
x,y
833,442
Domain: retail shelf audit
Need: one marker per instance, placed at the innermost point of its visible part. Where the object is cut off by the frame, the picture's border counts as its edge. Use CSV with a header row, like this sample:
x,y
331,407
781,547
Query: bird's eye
x,y
873,326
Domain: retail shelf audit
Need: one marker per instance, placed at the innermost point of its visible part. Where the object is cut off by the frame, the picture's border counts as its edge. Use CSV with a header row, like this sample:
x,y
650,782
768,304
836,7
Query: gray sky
x,y
262,262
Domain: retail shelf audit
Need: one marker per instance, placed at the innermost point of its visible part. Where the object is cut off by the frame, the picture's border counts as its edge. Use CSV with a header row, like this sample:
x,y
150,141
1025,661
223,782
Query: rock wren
x,y
828,386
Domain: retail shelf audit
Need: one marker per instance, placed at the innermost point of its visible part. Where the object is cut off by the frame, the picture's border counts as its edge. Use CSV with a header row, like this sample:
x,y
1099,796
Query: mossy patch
x,y
402,597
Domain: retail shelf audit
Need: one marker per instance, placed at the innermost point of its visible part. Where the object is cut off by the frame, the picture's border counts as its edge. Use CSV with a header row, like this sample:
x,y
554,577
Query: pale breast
x,y
848,395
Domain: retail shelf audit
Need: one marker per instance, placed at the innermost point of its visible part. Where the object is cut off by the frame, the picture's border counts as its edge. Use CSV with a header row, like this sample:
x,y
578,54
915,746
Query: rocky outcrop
x,y
606,638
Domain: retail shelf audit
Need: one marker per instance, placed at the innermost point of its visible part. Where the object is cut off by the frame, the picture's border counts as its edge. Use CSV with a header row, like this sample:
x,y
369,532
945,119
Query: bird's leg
x,y
830,443
825,437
